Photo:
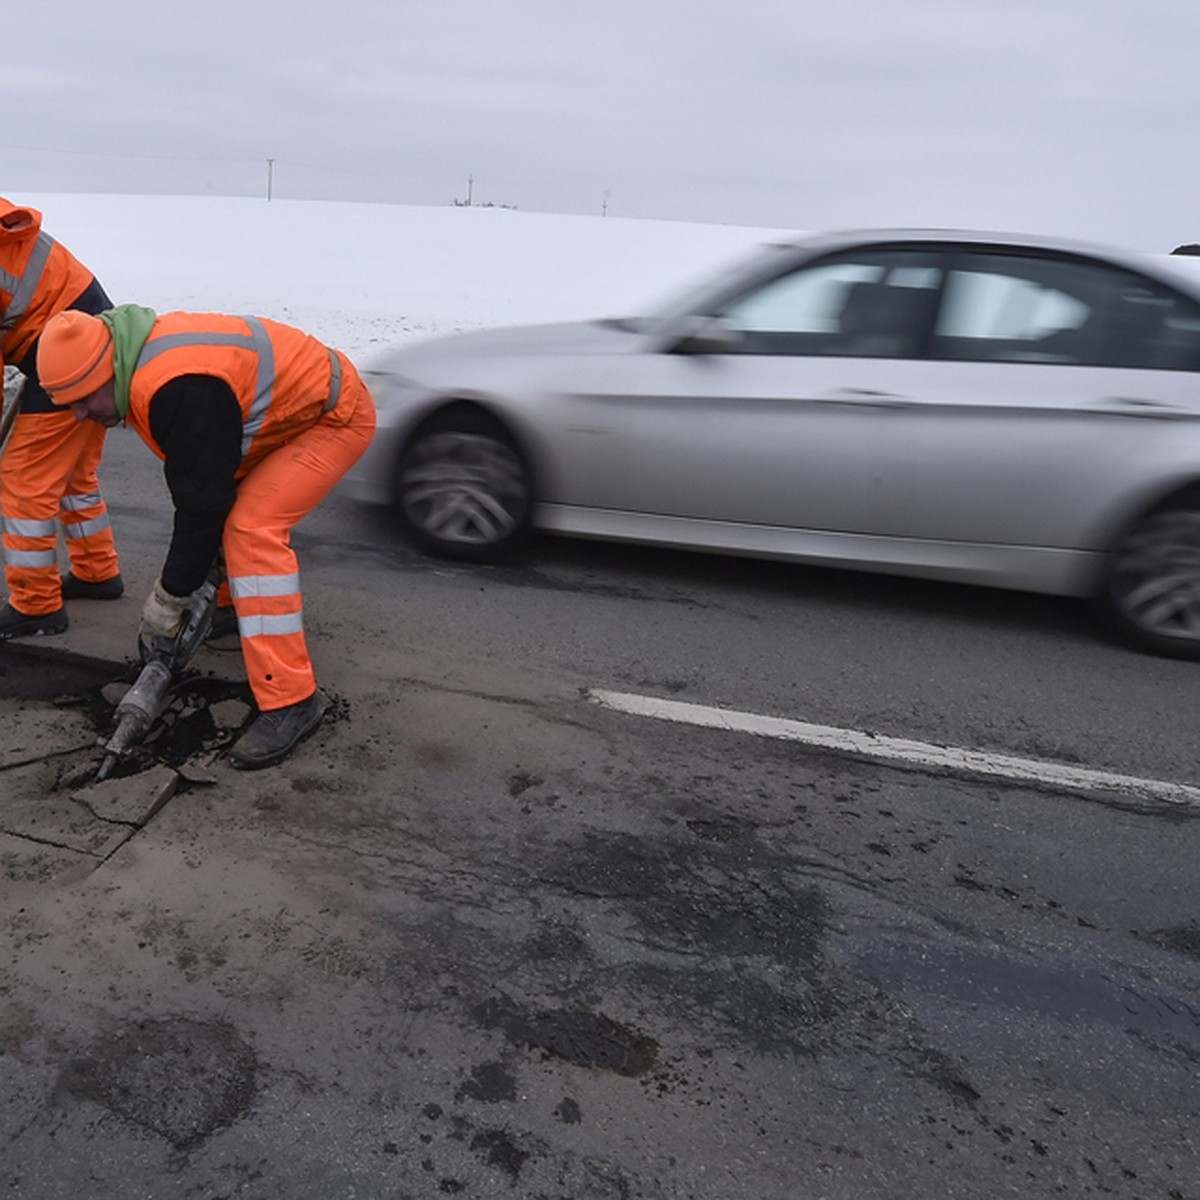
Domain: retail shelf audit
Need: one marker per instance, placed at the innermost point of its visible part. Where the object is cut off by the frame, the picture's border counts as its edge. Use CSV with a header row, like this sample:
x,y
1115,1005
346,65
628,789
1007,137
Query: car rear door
x,y
1055,385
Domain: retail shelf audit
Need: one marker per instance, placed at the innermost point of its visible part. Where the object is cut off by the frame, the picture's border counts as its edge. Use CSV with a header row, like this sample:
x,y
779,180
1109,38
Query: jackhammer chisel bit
x,y
164,661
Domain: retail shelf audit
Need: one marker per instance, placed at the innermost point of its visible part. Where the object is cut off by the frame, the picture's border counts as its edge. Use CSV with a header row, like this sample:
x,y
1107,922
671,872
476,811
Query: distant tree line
x,y
469,202
493,204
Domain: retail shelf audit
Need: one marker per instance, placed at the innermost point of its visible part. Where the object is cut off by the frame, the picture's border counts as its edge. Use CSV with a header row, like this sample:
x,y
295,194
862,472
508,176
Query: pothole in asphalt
x,y
58,818
203,714
181,1079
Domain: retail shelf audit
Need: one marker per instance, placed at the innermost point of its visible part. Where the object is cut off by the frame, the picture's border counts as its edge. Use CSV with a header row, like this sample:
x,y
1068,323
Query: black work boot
x,y
74,588
271,738
15,624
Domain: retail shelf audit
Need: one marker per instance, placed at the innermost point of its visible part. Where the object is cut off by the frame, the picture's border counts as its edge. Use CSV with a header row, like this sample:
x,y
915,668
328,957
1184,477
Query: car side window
x,y
878,305
1153,327
1014,308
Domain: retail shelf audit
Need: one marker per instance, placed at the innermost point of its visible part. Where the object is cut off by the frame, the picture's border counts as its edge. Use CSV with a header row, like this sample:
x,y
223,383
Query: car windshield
x,y
704,297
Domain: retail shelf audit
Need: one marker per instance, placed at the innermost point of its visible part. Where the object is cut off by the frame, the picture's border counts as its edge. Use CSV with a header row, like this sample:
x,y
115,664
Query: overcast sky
x,y
1072,117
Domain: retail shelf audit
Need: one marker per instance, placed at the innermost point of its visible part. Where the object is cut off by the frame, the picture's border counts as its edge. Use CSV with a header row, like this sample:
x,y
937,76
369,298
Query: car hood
x,y
515,341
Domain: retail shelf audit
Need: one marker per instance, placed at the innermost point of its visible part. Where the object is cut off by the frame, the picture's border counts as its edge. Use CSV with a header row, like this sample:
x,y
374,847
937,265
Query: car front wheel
x,y
1151,592
463,489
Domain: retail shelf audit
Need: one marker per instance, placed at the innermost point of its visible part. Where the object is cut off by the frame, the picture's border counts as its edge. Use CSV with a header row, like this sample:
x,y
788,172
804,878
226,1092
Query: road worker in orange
x,y
48,463
255,422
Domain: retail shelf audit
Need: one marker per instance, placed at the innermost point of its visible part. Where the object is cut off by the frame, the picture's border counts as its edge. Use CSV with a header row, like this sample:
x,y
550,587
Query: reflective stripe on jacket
x,y
285,380
38,278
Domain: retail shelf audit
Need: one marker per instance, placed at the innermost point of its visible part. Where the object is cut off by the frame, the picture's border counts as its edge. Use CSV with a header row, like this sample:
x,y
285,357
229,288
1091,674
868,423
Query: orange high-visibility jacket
x,y
38,278
284,379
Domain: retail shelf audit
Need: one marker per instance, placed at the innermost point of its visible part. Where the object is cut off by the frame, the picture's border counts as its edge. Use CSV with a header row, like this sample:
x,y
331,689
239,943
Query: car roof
x,y
1178,270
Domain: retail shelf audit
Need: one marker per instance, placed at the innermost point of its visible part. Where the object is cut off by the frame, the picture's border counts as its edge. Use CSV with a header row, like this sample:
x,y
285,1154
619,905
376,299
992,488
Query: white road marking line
x,y
923,754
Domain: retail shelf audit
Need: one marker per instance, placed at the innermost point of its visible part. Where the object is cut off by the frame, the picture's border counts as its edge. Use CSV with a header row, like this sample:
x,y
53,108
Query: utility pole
x,y
470,188
270,174
604,204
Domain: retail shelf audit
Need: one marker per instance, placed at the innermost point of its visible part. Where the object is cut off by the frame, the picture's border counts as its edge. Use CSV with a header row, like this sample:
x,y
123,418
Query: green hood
x,y
130,325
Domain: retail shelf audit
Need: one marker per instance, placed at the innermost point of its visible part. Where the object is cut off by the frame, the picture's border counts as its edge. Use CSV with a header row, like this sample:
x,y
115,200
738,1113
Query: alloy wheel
x,y
463,493
1153,588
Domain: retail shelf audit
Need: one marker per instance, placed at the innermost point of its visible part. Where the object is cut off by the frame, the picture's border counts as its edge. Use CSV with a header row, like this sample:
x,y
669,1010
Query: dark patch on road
x,y
497,1149
719,829
943,1072
717,931
1063,990
731,897
60,682
587,1039
436,756
521,782
557,942
490,1082
732,941
1182,939
181,1079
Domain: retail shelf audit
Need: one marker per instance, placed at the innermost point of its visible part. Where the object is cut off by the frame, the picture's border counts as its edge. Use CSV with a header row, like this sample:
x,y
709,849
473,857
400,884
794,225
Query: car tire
x,y
463,489
1150,596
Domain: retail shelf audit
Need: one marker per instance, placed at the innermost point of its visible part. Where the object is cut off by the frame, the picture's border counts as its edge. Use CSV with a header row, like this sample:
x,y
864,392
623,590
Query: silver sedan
x,y
1014,412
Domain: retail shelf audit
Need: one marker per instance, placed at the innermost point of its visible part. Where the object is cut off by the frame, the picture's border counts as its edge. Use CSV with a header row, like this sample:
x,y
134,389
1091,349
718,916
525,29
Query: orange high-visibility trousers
x,y
47,480
264,576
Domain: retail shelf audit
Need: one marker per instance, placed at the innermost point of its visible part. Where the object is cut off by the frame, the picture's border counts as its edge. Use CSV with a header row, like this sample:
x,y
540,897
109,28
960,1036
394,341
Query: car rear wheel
x,y
463,489
1151,593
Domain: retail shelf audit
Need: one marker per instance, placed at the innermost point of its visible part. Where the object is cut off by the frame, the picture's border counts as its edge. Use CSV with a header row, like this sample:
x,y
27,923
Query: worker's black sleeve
x,y
197,422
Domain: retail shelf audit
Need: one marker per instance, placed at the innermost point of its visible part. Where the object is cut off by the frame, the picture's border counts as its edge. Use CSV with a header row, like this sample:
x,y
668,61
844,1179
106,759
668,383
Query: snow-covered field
x,y
364,276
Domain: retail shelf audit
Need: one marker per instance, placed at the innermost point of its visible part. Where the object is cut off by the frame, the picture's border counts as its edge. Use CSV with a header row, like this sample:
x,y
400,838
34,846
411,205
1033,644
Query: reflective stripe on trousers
x,y
48,478
268,592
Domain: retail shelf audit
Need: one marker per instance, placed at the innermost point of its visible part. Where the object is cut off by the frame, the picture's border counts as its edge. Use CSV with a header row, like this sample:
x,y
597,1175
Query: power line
x,y
128,154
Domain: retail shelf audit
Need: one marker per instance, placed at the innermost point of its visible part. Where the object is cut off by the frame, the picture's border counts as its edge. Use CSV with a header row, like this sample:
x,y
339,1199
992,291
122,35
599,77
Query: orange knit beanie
x,y
74,356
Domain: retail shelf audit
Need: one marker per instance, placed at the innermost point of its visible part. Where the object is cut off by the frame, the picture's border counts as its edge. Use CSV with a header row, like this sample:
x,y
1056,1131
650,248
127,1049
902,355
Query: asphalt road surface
x,y
483,935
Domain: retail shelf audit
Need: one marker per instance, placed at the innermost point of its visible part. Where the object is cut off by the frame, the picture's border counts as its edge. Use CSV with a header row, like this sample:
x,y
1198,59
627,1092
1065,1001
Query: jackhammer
x,y
164,659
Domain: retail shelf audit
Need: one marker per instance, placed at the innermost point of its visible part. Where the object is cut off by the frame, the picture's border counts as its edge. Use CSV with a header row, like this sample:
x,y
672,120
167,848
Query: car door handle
x,y
1139,406
867,398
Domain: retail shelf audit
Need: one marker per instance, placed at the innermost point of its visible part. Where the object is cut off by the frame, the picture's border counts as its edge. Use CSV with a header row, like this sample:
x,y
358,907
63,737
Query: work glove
x,y
162,614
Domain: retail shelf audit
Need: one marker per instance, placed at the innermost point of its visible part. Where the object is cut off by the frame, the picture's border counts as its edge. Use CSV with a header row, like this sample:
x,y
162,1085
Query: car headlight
x,y
391,392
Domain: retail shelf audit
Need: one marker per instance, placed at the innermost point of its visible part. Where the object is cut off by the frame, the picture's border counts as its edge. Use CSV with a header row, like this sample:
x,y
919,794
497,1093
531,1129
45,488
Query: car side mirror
x,y
702,335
